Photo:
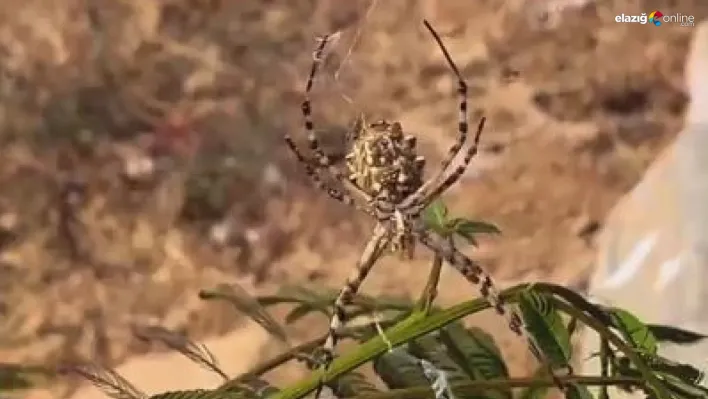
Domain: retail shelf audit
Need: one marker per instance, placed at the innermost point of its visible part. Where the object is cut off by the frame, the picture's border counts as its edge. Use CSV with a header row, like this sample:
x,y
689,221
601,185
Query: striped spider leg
x,y
433,188
349,193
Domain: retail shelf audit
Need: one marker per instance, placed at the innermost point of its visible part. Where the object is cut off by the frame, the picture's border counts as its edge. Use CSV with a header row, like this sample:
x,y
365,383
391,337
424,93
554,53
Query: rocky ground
x,y
97,236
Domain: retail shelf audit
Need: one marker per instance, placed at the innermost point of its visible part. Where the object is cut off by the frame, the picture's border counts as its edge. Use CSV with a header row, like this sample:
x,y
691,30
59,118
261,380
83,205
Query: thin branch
x,y
282,358
604,365
293,353
430,292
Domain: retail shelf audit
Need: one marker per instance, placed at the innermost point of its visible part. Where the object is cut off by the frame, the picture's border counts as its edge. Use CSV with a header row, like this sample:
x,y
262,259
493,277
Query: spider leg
x,y
475,274
306,106
372,252
462,125
311,171
322,160
425,199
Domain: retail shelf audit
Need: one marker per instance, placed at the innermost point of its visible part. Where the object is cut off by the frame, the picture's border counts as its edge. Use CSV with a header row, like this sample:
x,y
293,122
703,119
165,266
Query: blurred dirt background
x,y
142,155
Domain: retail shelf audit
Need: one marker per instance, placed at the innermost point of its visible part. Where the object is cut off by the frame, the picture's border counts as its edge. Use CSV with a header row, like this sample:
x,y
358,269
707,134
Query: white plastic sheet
x,y
653,251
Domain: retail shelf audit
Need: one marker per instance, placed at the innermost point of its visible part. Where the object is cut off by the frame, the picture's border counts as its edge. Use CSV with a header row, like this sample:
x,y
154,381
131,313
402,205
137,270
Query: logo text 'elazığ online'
x,y
656,18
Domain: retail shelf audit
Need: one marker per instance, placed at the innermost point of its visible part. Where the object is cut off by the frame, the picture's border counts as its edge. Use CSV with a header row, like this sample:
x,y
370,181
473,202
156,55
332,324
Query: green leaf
x,y
296,294
398,369
353,384
457,353
684,389
308,301
572,326
634,331
674,335
249,386
299,312
435,217
105,379
305,294
546,326
681,379
682,371
13,376
202,394
576,391
581,303
386,302
13,379
428,347
475,350
248,305
468,229
196,352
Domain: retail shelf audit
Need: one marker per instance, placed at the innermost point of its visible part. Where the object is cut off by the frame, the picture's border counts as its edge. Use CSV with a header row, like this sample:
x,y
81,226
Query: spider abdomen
x,y
383,162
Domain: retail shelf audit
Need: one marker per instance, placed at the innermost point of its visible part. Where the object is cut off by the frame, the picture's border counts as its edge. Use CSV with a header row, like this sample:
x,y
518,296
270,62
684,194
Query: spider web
x,y
335,85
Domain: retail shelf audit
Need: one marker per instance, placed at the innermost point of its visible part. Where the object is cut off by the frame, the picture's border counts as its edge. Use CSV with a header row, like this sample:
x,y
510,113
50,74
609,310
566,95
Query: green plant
x,y
420,351
16,377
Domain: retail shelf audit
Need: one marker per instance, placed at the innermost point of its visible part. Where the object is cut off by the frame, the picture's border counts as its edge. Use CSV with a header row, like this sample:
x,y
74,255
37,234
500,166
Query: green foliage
x,y
201,394
462,355
244,303
353,384
252,392
475,351
674,335
545,325
469,358
436,217
633,330
576,391
399,370
110,382
426,352
14,377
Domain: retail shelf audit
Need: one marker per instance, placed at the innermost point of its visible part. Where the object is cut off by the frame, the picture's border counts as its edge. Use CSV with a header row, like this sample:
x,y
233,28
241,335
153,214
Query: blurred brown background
x,y
142,155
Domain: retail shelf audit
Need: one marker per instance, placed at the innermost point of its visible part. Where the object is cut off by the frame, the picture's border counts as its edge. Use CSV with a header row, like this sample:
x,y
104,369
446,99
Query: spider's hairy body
x,y
384,163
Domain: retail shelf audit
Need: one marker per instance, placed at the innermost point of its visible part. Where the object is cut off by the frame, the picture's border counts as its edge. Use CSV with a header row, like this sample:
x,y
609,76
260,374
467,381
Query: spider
x,y
384,179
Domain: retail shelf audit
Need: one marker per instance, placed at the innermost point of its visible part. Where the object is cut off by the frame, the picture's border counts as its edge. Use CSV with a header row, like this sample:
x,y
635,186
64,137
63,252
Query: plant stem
x,y
479,387
604,365
430,292
281,359
273,363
